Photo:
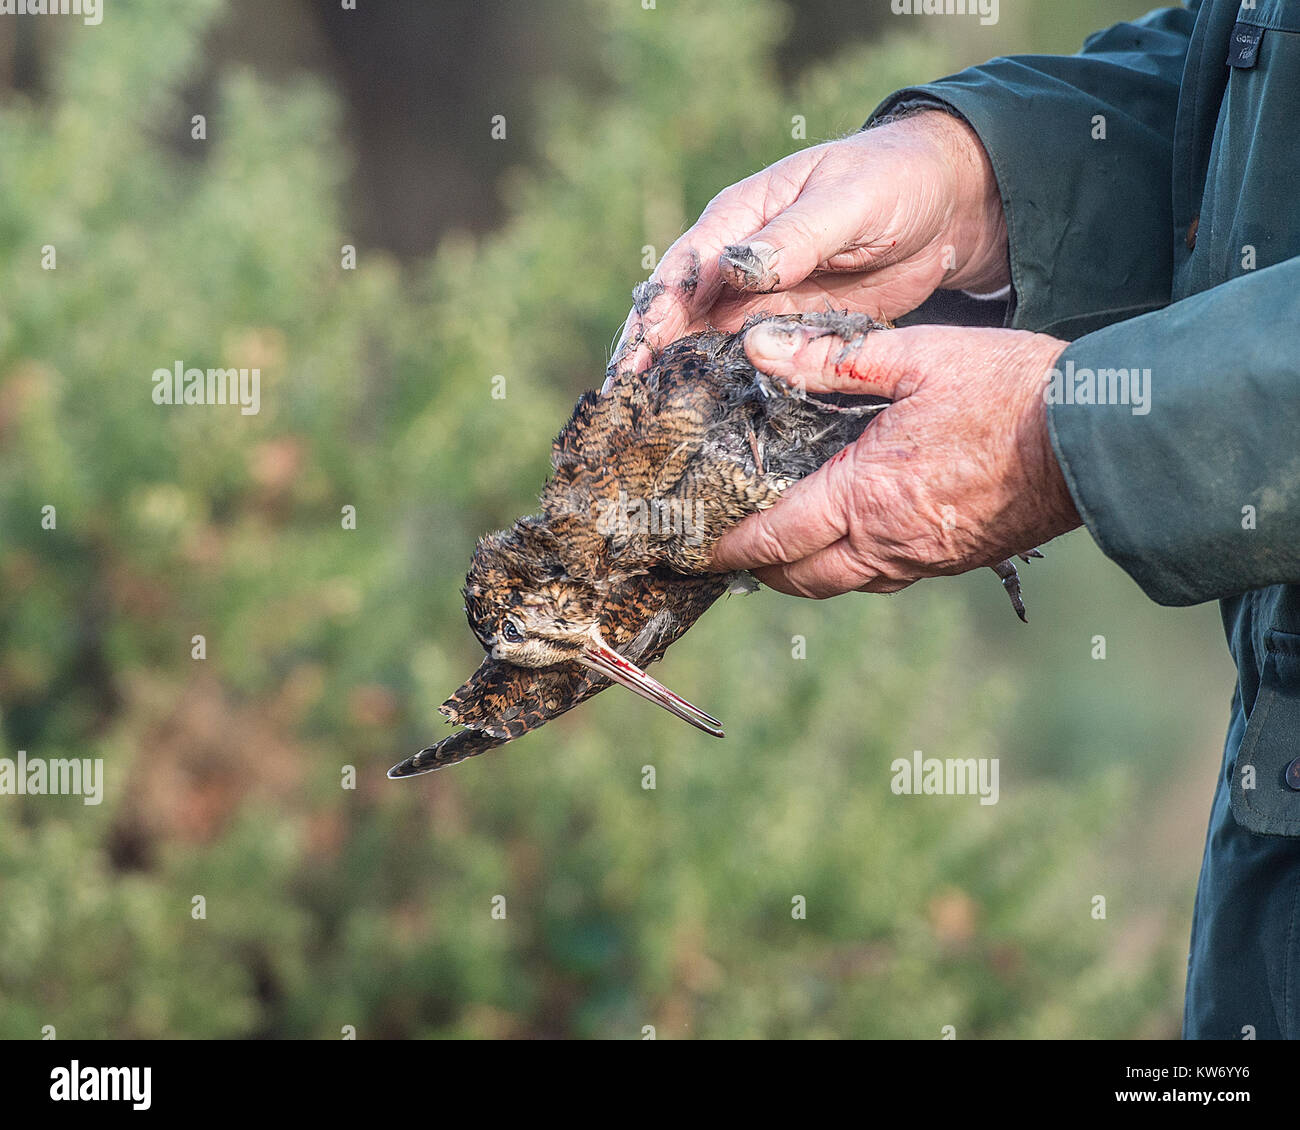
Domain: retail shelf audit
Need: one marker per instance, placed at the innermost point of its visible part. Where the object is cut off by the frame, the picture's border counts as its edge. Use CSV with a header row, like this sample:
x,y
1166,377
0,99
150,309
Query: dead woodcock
x,y
647,476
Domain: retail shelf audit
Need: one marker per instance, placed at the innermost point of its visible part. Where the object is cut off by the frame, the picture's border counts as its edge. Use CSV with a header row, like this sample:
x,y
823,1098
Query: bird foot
x,y
1011,580
850,327
742,584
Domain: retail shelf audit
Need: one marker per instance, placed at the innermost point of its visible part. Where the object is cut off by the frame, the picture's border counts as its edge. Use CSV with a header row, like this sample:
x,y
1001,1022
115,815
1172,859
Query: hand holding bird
x,y
958,473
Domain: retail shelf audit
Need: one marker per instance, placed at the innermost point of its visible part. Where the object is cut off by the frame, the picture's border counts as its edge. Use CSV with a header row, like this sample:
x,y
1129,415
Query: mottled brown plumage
x,y
646,478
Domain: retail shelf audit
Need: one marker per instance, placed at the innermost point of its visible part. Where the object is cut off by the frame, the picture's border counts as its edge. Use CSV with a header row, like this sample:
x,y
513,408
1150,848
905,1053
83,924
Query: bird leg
x,y
1011,580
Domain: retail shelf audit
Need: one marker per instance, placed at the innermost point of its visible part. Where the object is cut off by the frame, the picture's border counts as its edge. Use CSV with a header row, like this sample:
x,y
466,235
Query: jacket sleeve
x,y
1192,482
1082,148
1196,492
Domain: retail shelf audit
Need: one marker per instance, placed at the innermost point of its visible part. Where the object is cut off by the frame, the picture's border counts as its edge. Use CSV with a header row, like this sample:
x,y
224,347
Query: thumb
x,y
879,363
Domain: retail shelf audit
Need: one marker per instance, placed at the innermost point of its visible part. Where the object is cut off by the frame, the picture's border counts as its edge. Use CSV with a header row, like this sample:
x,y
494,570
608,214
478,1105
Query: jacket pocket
x,y
1266,777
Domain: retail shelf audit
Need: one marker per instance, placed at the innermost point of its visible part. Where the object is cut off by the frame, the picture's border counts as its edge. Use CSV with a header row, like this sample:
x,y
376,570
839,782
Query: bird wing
x,y
626,451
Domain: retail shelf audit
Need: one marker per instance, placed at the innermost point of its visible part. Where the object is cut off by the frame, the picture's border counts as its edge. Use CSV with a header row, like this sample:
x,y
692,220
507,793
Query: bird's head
x,y
521,603
526,609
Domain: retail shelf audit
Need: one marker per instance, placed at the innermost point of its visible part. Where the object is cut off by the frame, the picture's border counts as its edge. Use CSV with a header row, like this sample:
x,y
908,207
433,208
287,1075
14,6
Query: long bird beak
x,y
599,656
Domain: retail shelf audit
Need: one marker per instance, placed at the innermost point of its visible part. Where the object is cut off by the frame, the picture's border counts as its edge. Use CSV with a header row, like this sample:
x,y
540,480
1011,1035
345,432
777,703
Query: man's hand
x,y
874,222
958,473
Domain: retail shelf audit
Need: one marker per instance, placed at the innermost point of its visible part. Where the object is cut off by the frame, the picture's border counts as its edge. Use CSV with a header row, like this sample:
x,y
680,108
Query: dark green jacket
x,y
1152,194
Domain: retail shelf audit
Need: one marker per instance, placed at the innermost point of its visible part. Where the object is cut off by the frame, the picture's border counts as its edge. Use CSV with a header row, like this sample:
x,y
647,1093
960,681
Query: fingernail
x,y
644,293
772,343
626,344
750,265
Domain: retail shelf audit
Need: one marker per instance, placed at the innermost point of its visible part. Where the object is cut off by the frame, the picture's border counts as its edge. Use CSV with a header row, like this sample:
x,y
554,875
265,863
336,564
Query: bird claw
x,y
1011,582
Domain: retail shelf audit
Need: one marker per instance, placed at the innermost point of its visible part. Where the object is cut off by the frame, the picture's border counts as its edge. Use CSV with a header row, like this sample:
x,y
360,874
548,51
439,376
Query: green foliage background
x,y
328,907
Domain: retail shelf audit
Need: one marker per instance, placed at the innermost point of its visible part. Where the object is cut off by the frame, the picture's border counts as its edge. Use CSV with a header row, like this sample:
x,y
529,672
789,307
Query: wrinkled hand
x,y
874,222
957,473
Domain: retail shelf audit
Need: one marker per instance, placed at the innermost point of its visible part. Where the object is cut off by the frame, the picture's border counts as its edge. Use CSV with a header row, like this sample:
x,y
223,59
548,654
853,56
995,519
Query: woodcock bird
x,y
647,476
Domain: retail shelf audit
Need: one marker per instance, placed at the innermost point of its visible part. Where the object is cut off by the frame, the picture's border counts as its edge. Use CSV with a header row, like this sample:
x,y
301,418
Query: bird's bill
x,y
599,656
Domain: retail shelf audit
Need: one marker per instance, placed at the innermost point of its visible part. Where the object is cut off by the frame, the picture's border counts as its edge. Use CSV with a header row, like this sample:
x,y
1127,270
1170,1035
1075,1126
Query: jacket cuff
x,y
1176,432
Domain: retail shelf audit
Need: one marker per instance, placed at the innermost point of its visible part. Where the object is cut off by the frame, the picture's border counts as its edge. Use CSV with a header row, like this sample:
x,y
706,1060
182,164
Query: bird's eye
x,y
510,633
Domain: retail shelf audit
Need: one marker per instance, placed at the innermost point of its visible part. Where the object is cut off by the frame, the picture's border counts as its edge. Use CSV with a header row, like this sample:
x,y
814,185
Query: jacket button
x,y
1293,775
1191,233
